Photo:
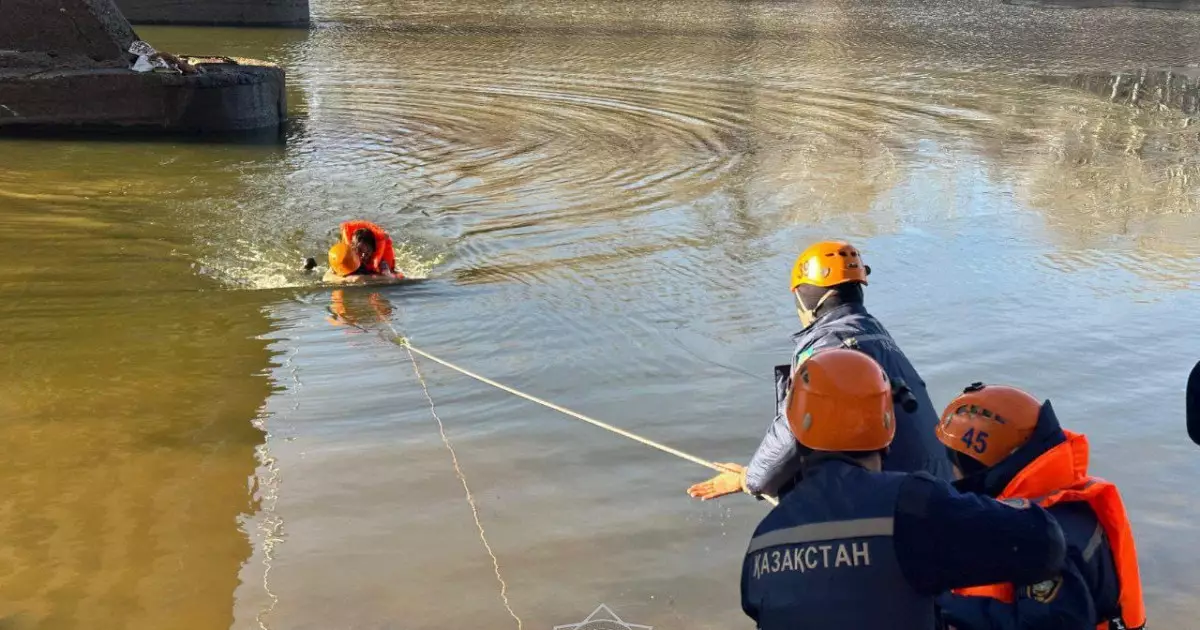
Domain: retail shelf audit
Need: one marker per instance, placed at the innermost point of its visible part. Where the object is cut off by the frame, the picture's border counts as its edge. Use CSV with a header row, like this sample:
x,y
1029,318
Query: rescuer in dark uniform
x,y
855,547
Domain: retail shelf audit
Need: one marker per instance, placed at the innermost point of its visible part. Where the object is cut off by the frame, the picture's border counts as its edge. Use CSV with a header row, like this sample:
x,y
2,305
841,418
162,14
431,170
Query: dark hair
x,y
363,236
967,464
810,454
809,458
861,455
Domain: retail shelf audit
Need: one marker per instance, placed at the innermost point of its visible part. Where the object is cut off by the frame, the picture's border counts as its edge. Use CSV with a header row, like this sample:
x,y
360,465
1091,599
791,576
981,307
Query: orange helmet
x,y
989,422
841,401
343,260
829,263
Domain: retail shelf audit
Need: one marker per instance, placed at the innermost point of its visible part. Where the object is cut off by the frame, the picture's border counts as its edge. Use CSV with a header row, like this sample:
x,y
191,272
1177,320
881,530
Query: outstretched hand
x,y
730,480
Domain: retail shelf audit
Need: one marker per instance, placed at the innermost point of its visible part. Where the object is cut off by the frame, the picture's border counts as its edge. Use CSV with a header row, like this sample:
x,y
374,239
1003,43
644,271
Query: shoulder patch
x,y
1044,592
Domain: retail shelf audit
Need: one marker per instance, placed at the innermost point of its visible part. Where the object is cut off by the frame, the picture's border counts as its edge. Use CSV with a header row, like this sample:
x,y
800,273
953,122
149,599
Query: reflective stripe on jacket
x,y
825,557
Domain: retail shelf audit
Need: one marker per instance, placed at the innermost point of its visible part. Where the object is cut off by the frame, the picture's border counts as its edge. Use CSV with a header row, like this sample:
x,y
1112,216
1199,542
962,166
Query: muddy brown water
x,y
605,198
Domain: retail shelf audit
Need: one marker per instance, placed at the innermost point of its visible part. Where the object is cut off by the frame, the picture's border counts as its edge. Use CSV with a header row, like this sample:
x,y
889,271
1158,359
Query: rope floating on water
x,y
463,478
406,344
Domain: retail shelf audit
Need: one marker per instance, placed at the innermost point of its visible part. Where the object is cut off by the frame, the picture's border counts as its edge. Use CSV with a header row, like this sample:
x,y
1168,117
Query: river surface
x,y
605,199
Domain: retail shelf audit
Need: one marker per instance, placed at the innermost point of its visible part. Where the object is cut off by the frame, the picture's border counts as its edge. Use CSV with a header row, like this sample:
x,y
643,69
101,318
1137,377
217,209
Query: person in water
x,y
1005,444
853,546
364,250
827,281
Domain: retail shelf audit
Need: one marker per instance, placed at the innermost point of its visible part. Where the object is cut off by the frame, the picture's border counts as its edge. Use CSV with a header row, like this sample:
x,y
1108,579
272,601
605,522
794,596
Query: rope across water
x,y
466,488
404,343
413,351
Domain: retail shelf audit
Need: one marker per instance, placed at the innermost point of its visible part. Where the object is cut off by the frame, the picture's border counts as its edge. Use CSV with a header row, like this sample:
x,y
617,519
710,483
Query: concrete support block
x,y
66,65
228,97
73,32
292,13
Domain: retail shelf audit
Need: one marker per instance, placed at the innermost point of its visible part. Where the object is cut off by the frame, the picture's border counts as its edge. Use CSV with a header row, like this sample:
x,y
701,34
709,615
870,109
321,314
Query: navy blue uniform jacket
x,y
937,539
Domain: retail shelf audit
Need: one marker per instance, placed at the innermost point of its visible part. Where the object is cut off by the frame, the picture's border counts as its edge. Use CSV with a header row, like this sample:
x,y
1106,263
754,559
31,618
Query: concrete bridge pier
x,y
286,13
66,65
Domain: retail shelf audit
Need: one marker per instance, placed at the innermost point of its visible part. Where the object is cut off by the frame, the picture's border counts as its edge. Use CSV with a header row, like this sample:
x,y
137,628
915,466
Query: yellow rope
x,y
404,343
411,350
470,497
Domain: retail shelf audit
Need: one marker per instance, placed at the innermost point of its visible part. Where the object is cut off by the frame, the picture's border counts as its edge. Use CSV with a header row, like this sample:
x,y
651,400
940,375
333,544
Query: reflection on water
x,y
126,407
606,198
356,312
128,388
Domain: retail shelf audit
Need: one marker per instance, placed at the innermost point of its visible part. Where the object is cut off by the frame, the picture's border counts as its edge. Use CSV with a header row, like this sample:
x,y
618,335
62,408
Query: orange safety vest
x,y
1060,475
384,253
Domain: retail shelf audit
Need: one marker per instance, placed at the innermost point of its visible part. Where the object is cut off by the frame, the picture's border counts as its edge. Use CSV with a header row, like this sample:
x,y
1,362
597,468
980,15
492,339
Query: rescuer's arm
x,y
1065,600
947,540
775,461
1062,601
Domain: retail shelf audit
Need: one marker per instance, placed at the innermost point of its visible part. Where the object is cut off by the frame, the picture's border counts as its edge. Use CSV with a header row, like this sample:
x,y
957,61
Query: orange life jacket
x,y
1059,475
384,253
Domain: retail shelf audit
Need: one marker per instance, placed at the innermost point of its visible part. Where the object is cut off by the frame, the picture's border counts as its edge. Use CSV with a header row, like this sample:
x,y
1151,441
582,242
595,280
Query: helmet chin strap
x,y
808,316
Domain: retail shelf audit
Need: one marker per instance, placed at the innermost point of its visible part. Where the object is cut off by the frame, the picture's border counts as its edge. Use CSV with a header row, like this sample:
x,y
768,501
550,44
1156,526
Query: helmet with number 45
x,y
989,422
